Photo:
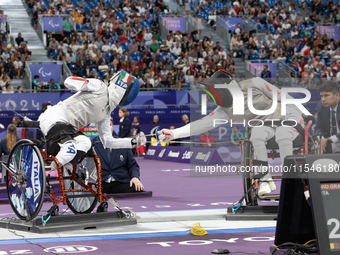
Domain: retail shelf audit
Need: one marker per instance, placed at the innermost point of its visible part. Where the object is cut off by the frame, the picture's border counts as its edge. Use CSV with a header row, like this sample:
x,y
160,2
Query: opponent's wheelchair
x,y
304,144
27,182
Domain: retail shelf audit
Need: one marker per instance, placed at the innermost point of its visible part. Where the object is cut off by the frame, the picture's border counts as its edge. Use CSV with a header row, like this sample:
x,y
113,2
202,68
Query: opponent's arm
x,y
267,88
211,121
107,139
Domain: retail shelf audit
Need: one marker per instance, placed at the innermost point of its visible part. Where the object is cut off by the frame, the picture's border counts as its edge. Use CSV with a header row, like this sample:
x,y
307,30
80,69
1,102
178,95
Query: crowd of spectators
x,y
126,35
287,29
14,54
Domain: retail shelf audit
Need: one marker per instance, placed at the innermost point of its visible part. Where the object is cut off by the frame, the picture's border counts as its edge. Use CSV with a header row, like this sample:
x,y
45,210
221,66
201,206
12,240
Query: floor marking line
x,y
181,223
156,214
131,236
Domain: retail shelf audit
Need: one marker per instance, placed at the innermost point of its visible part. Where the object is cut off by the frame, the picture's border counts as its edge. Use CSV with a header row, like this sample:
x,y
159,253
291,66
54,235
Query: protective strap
x,y
261,164
77,157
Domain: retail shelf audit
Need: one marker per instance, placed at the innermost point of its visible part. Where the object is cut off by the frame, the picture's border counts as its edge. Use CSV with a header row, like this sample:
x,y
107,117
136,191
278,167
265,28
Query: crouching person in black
x,y
120,171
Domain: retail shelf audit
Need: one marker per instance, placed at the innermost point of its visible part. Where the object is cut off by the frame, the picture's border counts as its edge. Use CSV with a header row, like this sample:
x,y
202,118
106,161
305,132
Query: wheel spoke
x,y
26,187
84,204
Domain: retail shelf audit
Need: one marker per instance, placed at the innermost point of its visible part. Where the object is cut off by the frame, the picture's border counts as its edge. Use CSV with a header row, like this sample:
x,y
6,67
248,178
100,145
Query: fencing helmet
x,y
129,83
221,96
45,106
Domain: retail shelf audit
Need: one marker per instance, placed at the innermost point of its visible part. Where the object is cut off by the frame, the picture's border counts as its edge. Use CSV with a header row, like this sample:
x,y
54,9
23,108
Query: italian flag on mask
x,y
126,78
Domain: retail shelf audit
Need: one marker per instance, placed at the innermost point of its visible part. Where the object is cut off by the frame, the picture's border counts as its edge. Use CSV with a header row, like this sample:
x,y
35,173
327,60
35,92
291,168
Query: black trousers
x,y
118,187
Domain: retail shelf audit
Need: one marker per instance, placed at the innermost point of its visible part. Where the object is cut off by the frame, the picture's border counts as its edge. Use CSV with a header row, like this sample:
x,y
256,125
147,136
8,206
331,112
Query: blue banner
x,y
231,23
192,155
53,24
46,72
169,106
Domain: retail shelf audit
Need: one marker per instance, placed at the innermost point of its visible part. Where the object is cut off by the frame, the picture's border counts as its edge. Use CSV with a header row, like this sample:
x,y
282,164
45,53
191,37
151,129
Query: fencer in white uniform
x,y
93,103
262,95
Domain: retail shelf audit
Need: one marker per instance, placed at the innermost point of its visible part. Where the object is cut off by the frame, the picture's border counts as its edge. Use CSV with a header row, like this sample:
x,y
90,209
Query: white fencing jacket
x,y
93,103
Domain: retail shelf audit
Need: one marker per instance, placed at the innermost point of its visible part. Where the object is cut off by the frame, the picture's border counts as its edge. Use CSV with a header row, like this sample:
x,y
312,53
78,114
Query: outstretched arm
x,y
81,84
211,121
267,88
107,139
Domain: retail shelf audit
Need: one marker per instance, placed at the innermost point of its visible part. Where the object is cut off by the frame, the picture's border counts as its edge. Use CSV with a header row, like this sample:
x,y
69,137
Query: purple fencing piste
x,y
333,32
53,24
231,23
46,72
259,67
174,24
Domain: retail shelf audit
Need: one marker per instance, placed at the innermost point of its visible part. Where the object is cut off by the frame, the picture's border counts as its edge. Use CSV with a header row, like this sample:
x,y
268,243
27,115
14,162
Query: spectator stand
x,y
285,71
5,24
191,24
57,70
52,24
163,31
224,28
171,23
254,68
285,76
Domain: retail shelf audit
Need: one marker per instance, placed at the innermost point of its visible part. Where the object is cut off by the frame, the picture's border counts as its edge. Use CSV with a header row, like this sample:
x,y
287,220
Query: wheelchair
x,y
303,144
29,179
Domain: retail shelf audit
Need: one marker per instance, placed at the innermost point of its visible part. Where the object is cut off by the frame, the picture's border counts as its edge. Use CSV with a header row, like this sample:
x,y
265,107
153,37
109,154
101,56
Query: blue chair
x,y
55,54
272,30
134,55
253,57
102,73
73,68
138,58
125,46
80,71
108,56
79,27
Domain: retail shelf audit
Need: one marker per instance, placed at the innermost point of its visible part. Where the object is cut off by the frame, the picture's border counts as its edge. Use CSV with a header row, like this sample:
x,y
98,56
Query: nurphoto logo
x,y
239,103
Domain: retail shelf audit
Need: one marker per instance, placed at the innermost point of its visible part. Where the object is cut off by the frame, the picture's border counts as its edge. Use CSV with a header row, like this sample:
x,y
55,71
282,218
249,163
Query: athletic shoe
x,y
267,186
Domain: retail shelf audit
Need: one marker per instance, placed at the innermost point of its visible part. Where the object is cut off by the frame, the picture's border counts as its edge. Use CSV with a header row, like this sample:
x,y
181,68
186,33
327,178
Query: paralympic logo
x,y
44,74
53,24
227,23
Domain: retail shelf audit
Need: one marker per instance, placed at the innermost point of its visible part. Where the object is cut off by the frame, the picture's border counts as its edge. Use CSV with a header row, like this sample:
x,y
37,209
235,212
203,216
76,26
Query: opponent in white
x,y
262,97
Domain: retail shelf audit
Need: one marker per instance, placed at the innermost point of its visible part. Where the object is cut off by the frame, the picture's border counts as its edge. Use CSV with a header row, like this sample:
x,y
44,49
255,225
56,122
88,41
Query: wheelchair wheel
x,y
83,202
249,155
26,189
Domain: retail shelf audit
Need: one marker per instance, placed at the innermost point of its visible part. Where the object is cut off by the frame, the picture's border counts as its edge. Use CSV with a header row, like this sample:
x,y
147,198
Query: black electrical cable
x,y
23,237
297,248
